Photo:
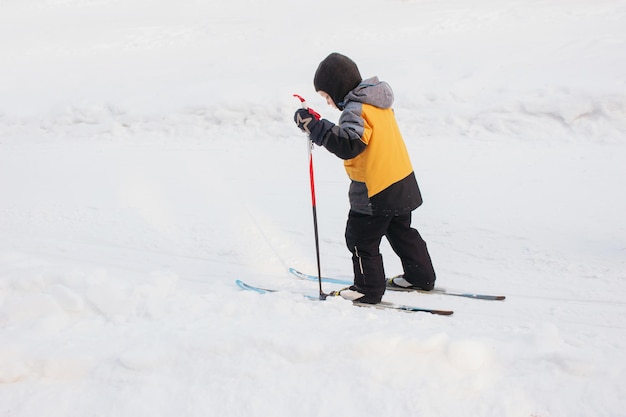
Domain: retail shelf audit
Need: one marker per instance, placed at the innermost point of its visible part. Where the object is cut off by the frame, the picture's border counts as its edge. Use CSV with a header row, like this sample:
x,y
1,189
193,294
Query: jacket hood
x,y
374,92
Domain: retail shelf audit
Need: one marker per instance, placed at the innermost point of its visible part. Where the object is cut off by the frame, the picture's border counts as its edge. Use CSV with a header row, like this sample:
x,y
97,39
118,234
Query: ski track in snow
x,y
148,159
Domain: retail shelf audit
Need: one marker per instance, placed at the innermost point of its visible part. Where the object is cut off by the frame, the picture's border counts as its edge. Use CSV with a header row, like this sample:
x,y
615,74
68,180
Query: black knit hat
x,y
337,75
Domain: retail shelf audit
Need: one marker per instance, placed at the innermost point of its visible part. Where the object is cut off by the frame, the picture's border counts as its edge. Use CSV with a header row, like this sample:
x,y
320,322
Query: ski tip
x,y
242,285
295,272
248,287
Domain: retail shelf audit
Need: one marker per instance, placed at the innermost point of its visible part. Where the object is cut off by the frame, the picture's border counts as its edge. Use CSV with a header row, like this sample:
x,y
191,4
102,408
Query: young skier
x,y
383,190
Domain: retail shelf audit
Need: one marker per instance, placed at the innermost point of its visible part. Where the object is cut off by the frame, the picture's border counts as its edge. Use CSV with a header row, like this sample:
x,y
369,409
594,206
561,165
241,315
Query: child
x,y
383,190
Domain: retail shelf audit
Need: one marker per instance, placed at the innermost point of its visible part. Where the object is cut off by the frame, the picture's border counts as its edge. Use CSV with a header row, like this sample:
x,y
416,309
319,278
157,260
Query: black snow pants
x,y
363,236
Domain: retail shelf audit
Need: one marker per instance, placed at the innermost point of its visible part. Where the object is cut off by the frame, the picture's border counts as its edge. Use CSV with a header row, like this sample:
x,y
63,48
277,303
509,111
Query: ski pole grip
x,y
306,106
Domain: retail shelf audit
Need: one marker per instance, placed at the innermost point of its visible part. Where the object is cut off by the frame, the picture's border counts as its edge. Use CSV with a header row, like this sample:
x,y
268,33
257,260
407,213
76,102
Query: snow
x,y
148,159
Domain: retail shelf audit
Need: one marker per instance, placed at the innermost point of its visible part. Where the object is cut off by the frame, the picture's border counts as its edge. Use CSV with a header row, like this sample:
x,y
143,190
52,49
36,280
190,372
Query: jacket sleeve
x,y
343,140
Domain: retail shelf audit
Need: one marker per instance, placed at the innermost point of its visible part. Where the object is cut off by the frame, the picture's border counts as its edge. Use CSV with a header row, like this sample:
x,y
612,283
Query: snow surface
x,y
148,159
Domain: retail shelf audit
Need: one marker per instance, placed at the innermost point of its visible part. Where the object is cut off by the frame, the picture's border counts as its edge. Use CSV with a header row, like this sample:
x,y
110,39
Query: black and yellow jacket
x,y
375,157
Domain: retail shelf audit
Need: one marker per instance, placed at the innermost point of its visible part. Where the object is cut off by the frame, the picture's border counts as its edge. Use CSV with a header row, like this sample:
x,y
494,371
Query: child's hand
x,y
305,120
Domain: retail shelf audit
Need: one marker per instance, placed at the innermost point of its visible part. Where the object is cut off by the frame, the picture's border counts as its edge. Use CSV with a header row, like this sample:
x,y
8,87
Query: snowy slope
x,y
148,159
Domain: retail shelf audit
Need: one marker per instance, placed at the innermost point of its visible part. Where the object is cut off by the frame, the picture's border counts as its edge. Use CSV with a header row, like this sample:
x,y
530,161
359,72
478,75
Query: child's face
x,y
329,100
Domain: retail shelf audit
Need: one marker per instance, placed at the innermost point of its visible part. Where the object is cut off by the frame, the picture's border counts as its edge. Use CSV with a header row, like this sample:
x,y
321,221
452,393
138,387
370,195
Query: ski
x,y
437,290
249,287
381,305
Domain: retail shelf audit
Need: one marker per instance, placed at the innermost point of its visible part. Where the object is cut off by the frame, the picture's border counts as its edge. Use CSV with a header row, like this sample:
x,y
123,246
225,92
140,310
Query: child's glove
x,y
305,120
309,123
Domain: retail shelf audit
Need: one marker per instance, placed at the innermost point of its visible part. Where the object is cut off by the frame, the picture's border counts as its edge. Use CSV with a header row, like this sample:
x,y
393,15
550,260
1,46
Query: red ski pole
x,y
313,202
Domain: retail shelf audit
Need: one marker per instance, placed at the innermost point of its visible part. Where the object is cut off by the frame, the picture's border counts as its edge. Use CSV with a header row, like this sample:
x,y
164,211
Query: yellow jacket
x,y
375,157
